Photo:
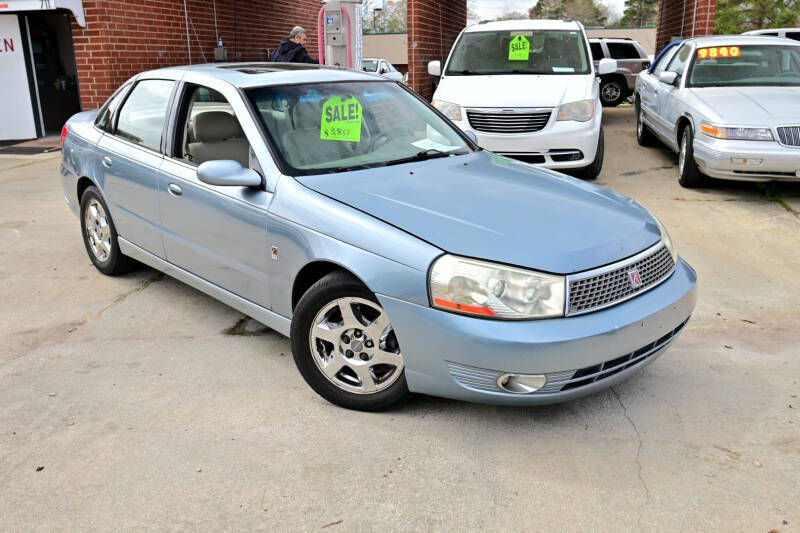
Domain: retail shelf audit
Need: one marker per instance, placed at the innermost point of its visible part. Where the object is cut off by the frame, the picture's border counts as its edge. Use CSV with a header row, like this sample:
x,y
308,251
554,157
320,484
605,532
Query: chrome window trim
x,y
616,266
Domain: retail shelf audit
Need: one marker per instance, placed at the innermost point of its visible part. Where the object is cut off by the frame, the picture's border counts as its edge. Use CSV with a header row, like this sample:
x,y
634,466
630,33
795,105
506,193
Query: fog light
x,y
746,161
521,383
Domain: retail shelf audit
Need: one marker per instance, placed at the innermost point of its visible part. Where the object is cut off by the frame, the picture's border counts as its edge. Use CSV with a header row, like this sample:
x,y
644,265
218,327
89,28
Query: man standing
x,y
292,49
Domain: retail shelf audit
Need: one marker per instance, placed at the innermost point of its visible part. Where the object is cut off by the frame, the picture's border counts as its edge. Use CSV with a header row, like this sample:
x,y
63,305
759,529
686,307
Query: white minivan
x,y
527,89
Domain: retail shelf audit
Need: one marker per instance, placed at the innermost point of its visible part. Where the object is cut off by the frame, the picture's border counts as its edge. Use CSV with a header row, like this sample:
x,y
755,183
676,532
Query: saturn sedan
x,y
342,210
730,107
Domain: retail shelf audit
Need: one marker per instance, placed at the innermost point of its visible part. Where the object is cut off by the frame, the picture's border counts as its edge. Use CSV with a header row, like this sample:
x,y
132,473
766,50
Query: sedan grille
x,y
517,122
610,285
789,135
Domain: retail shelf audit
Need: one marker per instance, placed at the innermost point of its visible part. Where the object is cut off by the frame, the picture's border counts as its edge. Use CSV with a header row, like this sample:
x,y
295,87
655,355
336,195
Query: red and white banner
x,y
16,109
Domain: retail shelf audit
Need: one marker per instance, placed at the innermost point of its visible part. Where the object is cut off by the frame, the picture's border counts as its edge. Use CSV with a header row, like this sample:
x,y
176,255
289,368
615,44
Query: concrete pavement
x,y
139,403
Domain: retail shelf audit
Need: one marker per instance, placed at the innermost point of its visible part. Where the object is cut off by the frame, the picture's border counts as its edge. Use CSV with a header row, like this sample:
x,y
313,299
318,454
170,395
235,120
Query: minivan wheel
x,y
100,236
345,347
689,175
612,93
592,171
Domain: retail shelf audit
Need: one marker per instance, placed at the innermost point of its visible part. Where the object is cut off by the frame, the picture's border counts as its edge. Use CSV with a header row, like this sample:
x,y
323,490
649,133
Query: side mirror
x,y
471,136
435,68
668,77
229,173
606,66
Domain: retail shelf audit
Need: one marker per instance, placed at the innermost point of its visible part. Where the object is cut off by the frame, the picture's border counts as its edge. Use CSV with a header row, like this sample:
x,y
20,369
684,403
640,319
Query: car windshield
x,y
336,127
750,65
370,65
520,52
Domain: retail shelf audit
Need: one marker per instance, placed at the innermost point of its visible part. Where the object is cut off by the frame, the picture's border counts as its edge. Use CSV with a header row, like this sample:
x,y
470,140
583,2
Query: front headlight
x,y
580,111
737,134
667,241
451,111
479,288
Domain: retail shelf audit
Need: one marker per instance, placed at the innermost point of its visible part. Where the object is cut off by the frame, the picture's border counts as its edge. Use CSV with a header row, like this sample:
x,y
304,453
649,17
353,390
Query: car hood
x,y
515,90
489,207
758,106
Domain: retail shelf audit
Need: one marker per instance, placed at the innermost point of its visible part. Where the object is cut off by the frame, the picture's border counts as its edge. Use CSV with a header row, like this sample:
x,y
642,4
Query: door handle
x,y
174,190
107,162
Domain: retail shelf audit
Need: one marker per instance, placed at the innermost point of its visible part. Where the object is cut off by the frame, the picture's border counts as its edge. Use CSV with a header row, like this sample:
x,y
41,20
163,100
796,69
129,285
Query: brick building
x,y
75,53
683,19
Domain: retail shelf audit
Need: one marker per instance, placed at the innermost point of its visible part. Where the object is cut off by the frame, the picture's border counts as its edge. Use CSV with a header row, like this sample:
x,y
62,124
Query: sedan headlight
x,y
737,134
667,241
580,111
451,111
479,288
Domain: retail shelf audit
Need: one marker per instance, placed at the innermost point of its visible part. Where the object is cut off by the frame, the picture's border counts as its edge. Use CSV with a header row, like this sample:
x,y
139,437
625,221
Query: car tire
x,y
643,134
100,236
689,175
592,171
352,359
612,92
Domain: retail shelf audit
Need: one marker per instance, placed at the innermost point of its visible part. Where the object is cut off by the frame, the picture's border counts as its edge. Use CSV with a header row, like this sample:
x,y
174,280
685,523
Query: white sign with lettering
x,y
76,6
15,97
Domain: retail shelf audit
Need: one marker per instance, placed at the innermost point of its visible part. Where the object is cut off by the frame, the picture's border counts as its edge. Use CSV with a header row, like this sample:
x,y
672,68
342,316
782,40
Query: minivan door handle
x,y
107,162
174,190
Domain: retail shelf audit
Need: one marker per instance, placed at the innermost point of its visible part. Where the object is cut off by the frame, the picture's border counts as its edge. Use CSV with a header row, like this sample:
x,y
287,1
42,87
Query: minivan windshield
x,y
746,66
336,127
520,52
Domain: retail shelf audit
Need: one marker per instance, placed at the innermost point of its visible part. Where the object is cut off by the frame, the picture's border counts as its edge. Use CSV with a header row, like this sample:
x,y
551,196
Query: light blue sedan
x,y
342,210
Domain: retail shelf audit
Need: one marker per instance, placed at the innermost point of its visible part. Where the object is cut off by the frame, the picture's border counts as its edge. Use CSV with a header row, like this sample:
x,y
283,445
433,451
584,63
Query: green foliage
x,y
589,12
392,18
639,13
737,16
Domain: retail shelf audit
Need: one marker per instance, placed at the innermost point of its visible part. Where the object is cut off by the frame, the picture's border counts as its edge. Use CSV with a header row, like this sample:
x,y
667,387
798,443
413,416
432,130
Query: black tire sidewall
x,y
336,285
644,138
115,258
592,171
690,176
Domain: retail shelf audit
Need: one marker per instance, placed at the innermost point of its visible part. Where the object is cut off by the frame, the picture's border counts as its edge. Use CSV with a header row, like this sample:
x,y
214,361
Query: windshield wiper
x,y
465,72
362,166
430,153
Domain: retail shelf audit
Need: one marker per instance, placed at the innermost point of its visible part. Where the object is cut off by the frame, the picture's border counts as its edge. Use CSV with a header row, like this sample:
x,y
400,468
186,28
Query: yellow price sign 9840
x,y
519,48
715,52
341,119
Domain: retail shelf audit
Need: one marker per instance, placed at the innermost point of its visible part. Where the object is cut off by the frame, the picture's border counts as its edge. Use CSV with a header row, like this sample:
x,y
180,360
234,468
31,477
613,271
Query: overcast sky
x,y
489,9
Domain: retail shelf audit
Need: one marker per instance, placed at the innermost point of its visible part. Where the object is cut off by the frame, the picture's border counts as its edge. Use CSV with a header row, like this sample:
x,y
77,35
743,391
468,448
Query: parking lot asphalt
x,y
139,403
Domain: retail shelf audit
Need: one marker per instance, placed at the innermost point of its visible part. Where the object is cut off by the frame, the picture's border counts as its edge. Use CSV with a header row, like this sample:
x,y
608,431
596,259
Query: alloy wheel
x,y
639,123
354,346
611,92
682,153
98,230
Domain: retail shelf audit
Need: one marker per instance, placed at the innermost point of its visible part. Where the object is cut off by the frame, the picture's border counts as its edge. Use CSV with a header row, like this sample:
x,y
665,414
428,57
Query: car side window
x,y
680,59
623,51
662,63
597,51
104,119
141,119
793,35
210,130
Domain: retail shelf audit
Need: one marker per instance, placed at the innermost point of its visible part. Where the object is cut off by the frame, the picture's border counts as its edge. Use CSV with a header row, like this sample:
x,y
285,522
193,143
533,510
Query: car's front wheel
x,y
592,171
643,134
345,347
689,175
100,235
612,92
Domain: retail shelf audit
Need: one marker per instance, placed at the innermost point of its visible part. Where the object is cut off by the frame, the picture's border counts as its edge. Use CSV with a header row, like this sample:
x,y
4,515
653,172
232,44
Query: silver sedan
x,y
730,107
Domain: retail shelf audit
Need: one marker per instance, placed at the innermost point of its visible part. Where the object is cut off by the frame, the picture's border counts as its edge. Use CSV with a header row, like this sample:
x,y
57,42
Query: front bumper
x,y
557,138
460,357
715,158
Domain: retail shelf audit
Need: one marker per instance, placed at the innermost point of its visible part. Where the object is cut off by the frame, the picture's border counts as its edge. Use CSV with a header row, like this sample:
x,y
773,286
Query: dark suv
x,y
631,60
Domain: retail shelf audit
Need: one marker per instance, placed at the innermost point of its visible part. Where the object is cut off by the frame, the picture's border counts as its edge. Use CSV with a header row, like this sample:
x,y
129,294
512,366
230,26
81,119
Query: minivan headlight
x,y
665,236
737,134
480,288
451,111
580,111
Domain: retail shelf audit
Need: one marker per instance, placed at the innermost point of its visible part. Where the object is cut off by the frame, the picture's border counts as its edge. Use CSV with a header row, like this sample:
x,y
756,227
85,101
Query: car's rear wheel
x,y
643,134
612,92
689,175
592,171
345,347
100,235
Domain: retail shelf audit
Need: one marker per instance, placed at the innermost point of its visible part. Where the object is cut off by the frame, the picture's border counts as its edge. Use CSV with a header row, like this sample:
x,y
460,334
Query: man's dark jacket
x,y
291,52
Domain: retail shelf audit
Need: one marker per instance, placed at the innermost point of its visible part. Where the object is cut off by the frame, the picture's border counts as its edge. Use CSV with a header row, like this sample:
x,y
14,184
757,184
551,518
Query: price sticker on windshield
x,y
715,52
341,119
519,48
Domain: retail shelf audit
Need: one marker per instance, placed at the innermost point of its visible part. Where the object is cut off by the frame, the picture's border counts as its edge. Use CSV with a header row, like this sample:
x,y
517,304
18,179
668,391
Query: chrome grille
x,y
610,285
789,135
509,122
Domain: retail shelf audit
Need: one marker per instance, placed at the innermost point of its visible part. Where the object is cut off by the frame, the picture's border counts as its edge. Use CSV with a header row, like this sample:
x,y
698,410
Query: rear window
x,y
623,51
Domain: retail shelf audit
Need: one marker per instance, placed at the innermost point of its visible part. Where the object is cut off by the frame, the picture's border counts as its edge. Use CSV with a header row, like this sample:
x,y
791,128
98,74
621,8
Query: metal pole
x,y
683,19
216,30
694,16
188,39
